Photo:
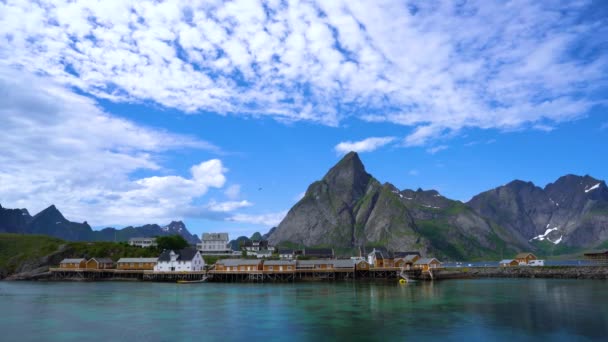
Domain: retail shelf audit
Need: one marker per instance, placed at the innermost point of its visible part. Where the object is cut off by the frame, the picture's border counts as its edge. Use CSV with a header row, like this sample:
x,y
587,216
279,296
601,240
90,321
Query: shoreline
x,y
599,272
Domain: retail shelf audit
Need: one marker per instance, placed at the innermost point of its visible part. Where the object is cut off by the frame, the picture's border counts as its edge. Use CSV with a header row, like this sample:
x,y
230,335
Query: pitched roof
x,y
185,254
125,260
411,257
103,260
72,261
215,237
318,252
344,263
425,261
239,262
382,253
405,254
315,262
524,255
142,239
279,263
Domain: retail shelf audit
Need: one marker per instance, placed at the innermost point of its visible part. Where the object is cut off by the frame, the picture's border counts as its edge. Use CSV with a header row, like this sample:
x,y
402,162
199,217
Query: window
x,y
270,268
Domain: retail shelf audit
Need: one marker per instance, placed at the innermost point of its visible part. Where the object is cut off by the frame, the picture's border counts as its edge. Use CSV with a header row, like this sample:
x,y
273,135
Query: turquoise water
x,y
458,310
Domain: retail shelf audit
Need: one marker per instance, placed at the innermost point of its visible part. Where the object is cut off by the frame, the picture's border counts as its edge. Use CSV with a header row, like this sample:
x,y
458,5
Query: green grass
x,y
113,250
17,248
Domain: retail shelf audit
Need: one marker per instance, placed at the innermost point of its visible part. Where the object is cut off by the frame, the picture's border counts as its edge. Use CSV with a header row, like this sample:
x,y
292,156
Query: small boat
x,y
192,281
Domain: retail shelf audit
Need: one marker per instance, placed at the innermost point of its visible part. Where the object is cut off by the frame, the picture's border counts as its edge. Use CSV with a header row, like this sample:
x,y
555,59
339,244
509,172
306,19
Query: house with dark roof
x,y
405,254
100,264
184,260
381,257
406,261
318,252
286,254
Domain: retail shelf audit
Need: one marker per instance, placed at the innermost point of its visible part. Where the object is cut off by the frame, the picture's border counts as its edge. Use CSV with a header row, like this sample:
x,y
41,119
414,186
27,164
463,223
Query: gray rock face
x,y
349,208
573,211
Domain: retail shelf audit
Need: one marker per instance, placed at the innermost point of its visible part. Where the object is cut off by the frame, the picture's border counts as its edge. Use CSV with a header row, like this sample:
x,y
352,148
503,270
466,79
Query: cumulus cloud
x,y
437,67
59,147
268,220
233,192
435,149
366,145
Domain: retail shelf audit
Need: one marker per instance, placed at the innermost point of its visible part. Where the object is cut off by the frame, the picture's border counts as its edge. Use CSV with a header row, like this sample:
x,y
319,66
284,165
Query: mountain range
x,y
51,222
350,209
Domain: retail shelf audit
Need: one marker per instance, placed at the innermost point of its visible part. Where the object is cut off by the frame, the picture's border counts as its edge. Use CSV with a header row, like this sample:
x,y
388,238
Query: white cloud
x,y
233,192
269,219
413,172
366,145
604,126
229,206
438,67
435,149
59,147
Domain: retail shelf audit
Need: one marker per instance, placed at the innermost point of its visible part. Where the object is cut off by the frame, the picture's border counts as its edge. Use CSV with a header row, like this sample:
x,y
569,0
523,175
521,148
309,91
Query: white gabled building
x,y
185,260
214,243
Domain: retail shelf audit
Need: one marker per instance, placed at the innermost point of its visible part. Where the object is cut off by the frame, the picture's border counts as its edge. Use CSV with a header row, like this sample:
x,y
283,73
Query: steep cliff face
x,y
572,211
349,208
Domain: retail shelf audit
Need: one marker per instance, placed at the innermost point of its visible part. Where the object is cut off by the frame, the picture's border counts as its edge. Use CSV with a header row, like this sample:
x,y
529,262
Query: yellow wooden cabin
x,y
279,266
525,258
136,264
73,263
100,264
426,264
238,265
321,264
361,265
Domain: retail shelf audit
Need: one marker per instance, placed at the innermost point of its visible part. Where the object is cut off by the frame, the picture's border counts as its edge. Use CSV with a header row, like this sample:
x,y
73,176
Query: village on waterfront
x,y
258,261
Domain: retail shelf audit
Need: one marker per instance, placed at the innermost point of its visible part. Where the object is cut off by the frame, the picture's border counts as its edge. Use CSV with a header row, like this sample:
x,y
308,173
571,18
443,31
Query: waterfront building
x,y
381,257
73,263
214,243
318,252
343,264
279,266
317,264
234,265
100,264
508,263
185,260
286,254
525,258
407,262
406,254
142,242
136,263
361,264
426,264
597,256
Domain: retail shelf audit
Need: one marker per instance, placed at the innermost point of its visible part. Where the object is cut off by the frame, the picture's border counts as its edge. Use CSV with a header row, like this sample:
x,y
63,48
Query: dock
x,y
232,276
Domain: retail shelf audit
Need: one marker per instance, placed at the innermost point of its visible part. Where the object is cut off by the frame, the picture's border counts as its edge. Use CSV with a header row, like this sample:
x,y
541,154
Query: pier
x,y
232,276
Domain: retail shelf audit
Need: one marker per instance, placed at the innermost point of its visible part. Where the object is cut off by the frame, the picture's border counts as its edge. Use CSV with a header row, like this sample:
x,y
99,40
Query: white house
x,y
214,243
185,260
142,241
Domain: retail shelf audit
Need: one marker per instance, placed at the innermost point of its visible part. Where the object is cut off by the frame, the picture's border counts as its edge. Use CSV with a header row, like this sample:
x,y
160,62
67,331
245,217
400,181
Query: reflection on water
x,y
487,309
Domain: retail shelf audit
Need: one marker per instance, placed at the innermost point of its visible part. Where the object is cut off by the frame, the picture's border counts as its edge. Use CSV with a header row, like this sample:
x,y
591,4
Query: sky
x,y
221,113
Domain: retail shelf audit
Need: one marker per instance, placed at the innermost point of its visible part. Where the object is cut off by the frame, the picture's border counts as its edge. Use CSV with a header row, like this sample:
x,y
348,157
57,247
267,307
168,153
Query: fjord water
x,y
464,310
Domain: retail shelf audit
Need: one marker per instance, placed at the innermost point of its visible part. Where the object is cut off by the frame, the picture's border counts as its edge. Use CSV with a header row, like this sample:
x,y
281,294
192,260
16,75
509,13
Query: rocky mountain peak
x,y
348,178
50,213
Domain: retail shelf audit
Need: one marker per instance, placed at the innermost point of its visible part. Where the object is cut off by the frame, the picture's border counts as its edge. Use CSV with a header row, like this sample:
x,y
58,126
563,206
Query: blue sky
x,y
222,113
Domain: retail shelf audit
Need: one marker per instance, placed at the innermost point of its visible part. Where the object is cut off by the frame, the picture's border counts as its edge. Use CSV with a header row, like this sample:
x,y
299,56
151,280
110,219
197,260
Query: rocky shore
x,y
557,272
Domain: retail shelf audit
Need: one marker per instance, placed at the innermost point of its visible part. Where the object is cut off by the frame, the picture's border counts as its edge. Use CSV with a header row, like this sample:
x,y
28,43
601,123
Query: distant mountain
x,y
51,222
572,211
349,208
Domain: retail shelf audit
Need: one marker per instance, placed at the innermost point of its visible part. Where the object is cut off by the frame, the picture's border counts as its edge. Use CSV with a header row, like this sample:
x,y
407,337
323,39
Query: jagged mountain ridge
x,y
51,222
572,211
349,208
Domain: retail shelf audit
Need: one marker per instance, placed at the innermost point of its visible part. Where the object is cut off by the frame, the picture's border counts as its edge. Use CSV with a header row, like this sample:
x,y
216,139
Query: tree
x,y
171,242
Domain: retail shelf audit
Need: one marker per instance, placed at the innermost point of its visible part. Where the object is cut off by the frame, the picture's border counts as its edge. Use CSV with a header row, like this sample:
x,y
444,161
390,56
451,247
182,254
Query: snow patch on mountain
x,y
592,188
